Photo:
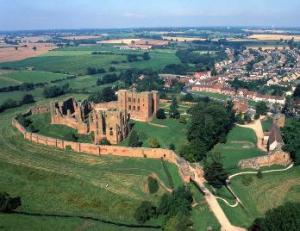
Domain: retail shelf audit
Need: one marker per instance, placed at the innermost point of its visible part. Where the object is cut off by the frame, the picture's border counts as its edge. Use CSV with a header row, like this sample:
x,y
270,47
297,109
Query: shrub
x,y
133,140
172,147
259,174
182,120
160,114
7,203
27,99
144,212
152,185
153,143
104,141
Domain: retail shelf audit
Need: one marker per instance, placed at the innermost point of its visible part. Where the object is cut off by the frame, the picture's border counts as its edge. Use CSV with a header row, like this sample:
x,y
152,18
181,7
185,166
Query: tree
x,y
174,113
27,99
54,91
214,171
208,124
106,94
178,223
146,56
283,218
133,140
261,108
112,69
172,147
259,174
291,138
152,185
247,118
160,114
144,212
7,203
153,143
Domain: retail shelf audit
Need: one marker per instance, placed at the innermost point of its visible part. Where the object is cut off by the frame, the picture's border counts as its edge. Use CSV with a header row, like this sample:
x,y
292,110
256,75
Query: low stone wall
x,y
275,158
154,153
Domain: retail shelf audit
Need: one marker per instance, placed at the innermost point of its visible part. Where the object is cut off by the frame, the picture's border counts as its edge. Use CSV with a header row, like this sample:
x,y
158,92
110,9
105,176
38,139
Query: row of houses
x,y
221,88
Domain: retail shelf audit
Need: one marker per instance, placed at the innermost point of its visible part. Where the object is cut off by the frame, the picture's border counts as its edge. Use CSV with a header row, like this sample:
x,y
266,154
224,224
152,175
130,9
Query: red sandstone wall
x,y
153,153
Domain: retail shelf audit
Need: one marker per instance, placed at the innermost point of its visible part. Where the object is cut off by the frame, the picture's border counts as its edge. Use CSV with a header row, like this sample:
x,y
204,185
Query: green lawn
x,y
240,144
263,194
266,124
167,131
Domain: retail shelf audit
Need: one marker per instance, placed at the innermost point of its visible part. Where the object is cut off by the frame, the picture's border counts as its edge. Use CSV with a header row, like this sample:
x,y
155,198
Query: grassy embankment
x,y
52,181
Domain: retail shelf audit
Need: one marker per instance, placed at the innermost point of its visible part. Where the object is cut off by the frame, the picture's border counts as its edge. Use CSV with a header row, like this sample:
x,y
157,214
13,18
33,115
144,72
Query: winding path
x,y
256,126
227,203
266,171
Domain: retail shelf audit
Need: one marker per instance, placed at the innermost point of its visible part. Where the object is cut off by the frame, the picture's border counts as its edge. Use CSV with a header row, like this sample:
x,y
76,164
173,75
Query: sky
x,y
79,14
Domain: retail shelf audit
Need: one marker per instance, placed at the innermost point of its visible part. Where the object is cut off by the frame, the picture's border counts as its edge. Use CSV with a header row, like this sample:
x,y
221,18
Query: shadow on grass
x,y
85,217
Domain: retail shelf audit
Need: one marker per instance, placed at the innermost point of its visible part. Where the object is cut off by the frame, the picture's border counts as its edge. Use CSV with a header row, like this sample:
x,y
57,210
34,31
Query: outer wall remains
x,y
154,153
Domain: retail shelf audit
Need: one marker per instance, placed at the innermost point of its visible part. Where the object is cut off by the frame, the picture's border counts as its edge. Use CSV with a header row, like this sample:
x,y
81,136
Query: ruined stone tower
x,y
140,105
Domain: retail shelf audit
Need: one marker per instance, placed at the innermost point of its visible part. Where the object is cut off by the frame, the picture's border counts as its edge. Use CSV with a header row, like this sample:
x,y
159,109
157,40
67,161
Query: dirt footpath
x,y
256,126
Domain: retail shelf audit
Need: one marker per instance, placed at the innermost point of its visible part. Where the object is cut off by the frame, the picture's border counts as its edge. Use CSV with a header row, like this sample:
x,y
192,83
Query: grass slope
x,y
240,144
57,181
272,190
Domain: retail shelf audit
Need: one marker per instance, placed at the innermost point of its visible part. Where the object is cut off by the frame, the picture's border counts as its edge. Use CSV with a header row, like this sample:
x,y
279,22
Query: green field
x,y
212,95
263,194
167,131
76,61
19,77
240,144
61,182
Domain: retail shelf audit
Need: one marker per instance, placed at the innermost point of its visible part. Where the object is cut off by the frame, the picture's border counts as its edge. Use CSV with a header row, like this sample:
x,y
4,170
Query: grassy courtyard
x,y
240,144
167,131
42,122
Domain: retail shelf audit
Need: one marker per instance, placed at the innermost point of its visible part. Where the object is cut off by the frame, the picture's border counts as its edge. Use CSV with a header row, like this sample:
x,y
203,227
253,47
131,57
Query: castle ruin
x,y
109,120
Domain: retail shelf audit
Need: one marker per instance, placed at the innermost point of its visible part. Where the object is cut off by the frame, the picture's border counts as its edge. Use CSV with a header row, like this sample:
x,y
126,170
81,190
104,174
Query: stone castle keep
x,y
109,120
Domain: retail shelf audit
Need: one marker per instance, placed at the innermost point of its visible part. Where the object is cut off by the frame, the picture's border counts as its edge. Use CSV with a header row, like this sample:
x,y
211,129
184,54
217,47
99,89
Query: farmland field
x,y
19,77
76,61
109,188
271,37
